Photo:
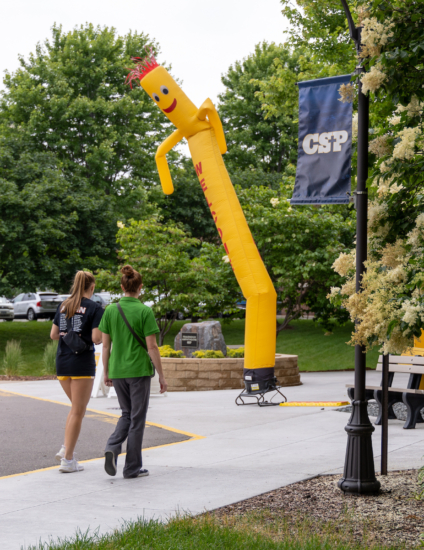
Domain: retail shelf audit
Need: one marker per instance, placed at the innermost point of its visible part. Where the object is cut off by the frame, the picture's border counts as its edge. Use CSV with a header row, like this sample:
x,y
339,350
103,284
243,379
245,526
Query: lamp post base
x,y
359,474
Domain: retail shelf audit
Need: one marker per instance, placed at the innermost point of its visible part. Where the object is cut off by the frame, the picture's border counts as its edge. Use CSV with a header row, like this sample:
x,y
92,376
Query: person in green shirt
x,y
128,367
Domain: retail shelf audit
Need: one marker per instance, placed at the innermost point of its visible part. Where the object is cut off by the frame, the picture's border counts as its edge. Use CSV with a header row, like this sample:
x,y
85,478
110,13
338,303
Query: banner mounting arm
x,y
353,31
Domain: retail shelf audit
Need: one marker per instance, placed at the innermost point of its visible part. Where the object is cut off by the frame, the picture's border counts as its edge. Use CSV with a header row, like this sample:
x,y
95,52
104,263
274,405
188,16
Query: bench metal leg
x,y
394,397
414,404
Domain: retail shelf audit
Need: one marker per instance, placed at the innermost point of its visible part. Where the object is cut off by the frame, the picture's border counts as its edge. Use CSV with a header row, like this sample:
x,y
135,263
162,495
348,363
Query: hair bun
x,y
128,271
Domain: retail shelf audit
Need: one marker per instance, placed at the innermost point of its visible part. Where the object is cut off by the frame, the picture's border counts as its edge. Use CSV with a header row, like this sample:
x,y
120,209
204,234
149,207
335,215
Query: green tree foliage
x,y
174,282
255,141
187,205
298,247
48,227
78,153
70,98
321,27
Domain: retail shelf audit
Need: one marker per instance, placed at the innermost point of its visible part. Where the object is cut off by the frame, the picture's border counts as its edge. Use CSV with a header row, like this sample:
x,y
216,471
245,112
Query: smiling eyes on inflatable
x,y
164,90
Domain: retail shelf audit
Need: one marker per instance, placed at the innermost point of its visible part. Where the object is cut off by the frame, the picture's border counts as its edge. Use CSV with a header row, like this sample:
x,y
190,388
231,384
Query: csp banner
x,y
325,143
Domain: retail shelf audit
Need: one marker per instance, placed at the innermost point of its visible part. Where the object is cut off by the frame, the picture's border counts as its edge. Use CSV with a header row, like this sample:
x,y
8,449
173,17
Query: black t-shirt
x,y
87,317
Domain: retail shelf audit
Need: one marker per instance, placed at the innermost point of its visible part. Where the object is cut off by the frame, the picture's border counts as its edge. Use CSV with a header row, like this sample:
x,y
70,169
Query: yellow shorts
x,y
75,377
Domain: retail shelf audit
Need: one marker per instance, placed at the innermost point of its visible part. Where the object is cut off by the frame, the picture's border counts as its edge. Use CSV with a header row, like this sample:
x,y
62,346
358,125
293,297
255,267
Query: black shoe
x,y
141,473
110,463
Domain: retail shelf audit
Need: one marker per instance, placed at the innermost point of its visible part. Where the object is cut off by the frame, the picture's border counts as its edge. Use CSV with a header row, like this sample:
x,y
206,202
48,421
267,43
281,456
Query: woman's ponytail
x,y
82,282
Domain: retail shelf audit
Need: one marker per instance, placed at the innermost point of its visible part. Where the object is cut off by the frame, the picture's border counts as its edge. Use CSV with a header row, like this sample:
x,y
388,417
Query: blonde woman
x,y
75,326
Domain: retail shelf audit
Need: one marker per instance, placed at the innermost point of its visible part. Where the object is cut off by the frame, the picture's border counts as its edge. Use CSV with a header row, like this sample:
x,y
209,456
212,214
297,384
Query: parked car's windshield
x,y
4,300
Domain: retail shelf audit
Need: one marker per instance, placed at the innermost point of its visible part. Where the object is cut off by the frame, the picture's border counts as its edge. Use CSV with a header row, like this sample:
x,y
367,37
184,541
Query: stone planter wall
x,y
221,374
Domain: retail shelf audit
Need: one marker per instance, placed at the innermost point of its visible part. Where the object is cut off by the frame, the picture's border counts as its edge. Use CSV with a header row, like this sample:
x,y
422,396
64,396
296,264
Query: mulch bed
x,y
393,517
4,378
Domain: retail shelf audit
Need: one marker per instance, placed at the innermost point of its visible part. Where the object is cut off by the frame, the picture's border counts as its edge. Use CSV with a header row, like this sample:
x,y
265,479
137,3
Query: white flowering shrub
x,y
389,308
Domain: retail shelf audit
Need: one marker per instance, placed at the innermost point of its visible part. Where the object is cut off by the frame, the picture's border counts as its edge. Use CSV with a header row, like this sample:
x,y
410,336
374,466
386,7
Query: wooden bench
x,y
412,396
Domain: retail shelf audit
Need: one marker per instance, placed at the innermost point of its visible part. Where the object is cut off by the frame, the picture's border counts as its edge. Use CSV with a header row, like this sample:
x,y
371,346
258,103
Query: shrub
x,y
235,353
49,357
12,361
208,354
167,351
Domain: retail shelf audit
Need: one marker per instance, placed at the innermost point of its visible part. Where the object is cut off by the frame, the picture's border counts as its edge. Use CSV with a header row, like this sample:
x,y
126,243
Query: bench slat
x,y
399,390
410,369
403,360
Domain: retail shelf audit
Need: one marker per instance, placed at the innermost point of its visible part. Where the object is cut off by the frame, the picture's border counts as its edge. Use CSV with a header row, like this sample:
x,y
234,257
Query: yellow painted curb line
x,y
193,437
314,404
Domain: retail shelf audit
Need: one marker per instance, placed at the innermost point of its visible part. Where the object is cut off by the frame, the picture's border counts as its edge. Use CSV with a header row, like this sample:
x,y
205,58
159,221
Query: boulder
x,y
200,336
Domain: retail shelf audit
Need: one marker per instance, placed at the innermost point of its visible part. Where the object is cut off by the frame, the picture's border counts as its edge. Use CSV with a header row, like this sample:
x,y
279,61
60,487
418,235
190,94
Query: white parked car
x,y
35,305
6,309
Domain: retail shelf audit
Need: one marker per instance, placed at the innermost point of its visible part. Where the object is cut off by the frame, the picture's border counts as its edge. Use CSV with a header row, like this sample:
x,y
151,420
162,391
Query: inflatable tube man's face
x,y
167,95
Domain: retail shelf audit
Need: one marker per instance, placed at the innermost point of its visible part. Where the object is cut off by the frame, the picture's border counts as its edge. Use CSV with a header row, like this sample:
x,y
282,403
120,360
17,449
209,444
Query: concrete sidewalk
x,y
244,451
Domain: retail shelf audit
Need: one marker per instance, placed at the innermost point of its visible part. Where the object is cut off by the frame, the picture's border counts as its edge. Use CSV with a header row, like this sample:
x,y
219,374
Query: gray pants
x,y
133,396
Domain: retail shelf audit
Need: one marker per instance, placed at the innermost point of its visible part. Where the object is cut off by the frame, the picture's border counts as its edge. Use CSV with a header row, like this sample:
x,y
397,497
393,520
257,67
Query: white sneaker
x,y
60,454
69,466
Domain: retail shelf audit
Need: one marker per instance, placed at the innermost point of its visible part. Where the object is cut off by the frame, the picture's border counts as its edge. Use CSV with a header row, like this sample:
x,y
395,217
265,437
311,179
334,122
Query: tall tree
x,y
173,280
255,140
68,110
48,226
70,99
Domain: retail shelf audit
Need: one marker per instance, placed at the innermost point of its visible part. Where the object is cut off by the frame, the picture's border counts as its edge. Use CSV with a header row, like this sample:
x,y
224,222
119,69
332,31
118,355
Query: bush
x,y
235,353
12,361
208,354
49,357
167,351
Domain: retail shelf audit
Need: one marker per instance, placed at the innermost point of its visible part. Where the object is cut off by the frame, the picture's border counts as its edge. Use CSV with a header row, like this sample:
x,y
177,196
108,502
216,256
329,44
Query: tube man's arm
x,y
162,164
208,109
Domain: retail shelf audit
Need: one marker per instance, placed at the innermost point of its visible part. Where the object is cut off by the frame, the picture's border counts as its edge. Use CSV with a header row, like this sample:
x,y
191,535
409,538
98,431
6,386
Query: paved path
x,y
31,433
244,451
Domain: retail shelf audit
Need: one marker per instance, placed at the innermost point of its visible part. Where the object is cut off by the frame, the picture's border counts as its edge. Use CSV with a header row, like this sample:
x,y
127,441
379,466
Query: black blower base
x,y
257,389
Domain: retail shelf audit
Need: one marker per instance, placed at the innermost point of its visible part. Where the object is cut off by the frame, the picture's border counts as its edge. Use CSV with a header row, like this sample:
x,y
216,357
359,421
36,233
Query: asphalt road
x,y
31,433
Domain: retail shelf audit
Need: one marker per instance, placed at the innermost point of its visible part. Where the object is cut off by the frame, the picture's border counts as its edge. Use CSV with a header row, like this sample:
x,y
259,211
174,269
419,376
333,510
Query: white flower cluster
x,y
388,185
385,165
355,127
226,259
395,120
373,79
274,201
347,93
376,211
375,35
415,108
419,222
380,146
411,312
405,149
120,225
344,264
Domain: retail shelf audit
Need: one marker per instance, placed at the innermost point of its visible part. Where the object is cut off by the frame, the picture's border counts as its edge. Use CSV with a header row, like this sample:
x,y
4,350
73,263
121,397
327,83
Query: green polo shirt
x,y
128,359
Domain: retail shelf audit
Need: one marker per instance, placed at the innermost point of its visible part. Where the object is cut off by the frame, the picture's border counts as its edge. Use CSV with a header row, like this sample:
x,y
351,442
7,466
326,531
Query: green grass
x,y
205,533
33,337
316,352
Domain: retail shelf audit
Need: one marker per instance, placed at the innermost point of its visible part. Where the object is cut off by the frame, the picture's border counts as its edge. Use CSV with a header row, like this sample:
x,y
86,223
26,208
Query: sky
x,y
199,38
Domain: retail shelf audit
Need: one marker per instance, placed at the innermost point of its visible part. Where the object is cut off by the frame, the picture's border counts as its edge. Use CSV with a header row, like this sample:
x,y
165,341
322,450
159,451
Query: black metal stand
x,y
359,473
384,415
259,395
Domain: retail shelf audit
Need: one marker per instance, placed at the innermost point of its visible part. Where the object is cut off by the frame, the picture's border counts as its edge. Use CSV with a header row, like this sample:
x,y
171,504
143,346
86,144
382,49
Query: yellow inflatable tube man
x,y
203,130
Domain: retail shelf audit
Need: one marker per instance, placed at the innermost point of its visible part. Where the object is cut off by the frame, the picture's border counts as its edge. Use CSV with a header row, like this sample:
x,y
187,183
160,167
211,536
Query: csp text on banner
x,y
325,143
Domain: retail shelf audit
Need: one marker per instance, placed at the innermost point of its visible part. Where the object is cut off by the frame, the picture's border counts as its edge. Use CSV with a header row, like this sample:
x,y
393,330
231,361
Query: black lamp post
x,y
359,473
